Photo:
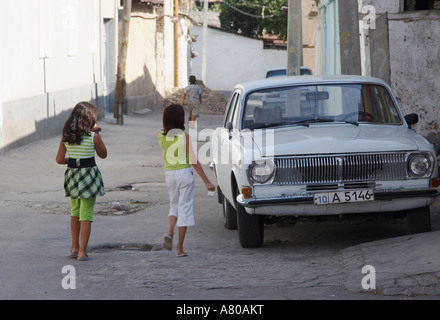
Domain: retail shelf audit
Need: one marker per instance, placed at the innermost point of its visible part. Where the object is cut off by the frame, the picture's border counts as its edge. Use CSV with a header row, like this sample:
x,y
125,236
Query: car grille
x,y
340,168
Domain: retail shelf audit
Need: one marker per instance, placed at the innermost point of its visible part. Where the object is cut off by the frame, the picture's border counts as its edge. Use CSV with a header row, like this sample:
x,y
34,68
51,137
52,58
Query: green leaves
x,y
253,17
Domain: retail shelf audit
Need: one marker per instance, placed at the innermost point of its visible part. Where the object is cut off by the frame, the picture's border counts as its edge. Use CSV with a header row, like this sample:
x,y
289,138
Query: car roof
x,y
274,82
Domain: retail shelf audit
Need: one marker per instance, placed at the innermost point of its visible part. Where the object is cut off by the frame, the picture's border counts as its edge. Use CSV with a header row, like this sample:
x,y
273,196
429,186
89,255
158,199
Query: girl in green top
x,y
178,157
82,179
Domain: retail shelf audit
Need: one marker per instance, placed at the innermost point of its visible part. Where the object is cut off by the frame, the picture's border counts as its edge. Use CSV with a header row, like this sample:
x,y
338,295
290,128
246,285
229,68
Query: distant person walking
x,y
194,94
82,179
178,157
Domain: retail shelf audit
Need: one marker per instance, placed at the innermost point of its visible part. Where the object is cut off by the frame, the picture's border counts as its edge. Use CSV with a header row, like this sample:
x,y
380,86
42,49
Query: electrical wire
x,y
262,16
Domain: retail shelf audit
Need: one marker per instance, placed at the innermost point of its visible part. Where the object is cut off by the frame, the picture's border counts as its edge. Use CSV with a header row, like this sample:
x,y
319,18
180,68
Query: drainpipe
x,y
176,42
205,38
120,87
329,54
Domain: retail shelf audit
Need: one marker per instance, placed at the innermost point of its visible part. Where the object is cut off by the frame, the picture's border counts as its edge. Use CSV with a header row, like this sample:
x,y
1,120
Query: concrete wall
x,y
232,59
415,65
381,6
38,117
165,49
150,63
141,66
52,56
404,50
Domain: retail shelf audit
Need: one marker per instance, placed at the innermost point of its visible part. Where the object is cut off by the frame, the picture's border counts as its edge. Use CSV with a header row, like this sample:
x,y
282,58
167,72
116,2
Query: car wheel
x,y
250,228
229,215
419,220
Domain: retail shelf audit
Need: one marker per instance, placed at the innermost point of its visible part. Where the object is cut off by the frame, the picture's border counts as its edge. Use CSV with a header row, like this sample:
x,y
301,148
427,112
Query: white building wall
x,y
22,69
168,47
184,52
232,59
51,58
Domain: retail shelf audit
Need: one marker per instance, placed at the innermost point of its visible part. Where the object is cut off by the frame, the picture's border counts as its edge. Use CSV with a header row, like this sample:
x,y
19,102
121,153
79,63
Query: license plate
x,y
343,197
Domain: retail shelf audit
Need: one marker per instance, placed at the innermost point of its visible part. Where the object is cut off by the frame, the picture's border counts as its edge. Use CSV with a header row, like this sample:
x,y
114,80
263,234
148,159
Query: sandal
x,y
73,255
86,258
182,254
167,242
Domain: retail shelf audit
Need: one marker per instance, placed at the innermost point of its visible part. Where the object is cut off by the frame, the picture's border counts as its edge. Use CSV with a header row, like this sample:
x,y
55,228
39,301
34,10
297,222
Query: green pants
x,y
82,208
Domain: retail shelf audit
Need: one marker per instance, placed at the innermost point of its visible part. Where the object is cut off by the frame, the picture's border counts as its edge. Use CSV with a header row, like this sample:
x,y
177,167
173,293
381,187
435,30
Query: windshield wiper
x,y
307,122
302,122
349,122
319,120
272,124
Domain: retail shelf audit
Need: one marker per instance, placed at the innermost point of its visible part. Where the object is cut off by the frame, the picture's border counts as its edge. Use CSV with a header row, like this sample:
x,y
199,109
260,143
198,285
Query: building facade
x,y
395,40
53,54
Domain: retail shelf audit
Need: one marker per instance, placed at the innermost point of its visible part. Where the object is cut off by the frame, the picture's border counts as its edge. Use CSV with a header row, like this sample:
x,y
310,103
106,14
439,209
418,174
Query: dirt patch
x,y
109,208
121,207
125,247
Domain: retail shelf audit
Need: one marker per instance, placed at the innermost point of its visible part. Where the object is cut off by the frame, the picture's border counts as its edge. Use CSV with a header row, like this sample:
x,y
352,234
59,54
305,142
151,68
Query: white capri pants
x,y
181,191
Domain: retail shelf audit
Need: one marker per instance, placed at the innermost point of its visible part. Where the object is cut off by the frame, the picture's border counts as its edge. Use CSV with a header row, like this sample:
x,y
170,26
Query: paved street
x,y
306,261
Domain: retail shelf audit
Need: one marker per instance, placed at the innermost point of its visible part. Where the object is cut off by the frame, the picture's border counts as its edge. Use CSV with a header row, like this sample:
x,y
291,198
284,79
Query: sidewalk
x,y
35,235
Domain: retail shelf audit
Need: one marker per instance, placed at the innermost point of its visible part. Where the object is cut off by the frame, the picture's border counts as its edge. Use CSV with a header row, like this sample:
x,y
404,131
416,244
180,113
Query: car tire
x,y
250,228
229,215
419,220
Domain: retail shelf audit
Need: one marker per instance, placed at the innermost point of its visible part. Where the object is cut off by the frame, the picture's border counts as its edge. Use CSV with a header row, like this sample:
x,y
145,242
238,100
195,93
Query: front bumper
x,y
308,198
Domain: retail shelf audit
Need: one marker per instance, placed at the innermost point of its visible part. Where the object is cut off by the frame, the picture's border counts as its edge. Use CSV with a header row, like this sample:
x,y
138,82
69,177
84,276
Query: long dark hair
x,y
82,118
173,118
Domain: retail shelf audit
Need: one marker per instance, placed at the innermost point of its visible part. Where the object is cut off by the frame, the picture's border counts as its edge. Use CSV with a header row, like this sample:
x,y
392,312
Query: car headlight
x,y
419,165
262,171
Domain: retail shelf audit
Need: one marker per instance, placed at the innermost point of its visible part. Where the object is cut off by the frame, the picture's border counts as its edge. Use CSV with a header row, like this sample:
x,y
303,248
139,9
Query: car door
x,y
223,147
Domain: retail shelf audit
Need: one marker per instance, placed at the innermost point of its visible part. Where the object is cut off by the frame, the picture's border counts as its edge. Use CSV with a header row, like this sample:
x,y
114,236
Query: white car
x,y
334,145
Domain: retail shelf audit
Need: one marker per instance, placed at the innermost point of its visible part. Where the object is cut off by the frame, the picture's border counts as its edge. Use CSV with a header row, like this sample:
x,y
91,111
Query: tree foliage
x,y
253,17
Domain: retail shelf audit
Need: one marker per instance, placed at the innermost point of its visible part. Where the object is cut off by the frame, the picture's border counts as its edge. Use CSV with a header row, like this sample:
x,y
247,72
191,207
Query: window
x,y
411,5
303,105
232,115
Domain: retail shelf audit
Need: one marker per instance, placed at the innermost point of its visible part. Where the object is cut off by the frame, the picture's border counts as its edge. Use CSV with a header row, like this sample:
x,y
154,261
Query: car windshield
x,y
303,105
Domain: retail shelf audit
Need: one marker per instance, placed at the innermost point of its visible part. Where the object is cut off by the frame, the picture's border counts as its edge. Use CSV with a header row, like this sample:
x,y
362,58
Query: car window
x,y
282,72
354,103
231,115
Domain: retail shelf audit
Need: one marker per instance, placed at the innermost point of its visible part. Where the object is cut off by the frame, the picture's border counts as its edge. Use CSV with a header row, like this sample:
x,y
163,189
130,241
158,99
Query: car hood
x,y
337,139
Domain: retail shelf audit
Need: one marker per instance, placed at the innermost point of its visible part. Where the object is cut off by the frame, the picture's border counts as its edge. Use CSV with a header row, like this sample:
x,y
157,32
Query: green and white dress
x,y
82,179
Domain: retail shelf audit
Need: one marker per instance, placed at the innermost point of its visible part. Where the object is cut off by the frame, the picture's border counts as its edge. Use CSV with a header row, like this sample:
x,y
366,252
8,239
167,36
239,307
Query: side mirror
x,y
411,119
229,126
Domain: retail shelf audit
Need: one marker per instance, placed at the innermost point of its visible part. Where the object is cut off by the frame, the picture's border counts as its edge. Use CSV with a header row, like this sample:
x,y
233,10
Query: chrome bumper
x,y
308,198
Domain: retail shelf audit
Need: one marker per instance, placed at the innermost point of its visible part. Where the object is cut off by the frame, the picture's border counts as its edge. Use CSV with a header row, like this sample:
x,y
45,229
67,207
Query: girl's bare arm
x,y
61,155
197,166
100,148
